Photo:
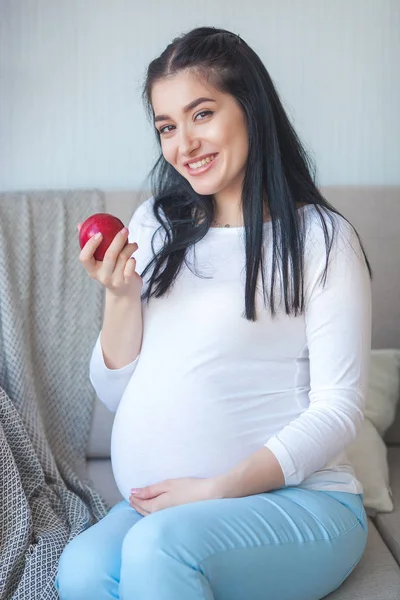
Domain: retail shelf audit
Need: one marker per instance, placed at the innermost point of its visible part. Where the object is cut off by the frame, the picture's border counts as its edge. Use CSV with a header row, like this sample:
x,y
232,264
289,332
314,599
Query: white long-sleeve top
x,y
209,387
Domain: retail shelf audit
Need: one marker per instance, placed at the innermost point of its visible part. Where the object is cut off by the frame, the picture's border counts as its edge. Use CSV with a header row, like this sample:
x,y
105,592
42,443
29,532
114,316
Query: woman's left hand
x,y
171,492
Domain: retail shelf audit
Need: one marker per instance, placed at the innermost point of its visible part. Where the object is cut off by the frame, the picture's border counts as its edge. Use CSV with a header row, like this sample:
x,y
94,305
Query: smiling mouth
x,y
204,165
201,163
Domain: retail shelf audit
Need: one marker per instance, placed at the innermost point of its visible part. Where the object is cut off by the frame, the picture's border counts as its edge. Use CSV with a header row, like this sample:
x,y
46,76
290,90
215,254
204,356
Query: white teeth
x,y
201,163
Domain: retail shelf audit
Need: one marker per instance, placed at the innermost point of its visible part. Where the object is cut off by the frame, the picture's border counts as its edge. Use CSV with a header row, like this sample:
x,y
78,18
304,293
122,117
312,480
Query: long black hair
x,y
278,171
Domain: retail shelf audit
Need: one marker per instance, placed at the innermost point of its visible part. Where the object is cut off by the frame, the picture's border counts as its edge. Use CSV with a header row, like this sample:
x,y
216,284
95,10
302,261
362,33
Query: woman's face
x,y
192,128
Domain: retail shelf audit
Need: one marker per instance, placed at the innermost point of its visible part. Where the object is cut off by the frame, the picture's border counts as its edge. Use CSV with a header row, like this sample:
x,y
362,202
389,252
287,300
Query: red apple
x,y
104,223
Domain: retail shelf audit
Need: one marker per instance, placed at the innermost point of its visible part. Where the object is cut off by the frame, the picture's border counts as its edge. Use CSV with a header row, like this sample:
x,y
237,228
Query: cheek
x,y
236,137
242,147
238,151
168,152
245,149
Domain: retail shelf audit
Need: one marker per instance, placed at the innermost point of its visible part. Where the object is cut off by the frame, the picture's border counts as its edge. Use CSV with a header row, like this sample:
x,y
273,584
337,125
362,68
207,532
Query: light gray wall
x,y
71,74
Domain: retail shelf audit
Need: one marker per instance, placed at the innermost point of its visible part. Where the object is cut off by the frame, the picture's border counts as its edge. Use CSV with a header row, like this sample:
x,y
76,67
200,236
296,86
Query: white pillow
x,y
368,453
383,388
368,457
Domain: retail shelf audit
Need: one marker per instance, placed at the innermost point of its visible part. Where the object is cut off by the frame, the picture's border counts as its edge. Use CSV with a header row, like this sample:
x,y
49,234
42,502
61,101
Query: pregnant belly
x,y
178,436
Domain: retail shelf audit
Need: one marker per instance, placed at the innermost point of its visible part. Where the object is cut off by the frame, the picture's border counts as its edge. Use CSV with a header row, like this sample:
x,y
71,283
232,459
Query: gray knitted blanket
x,y
50,316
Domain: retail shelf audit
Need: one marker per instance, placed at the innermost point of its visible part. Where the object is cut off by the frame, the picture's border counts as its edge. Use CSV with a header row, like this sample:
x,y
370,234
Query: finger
x,y
118,243
129,269
148,492
113,252
79,225
138,510
86,255
138,507
134,245
121,270
127,251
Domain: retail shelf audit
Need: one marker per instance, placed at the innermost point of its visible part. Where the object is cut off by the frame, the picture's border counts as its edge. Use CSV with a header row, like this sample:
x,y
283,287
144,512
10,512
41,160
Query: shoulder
x,y
144,219
145,229
332,247
323,227
143,213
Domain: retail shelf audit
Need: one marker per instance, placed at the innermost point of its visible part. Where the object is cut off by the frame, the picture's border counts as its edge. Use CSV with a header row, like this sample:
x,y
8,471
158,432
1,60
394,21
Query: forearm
x,y
260,472
121,335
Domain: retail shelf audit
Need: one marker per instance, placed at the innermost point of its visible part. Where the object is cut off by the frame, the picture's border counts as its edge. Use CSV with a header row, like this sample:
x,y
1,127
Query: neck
x,y
234,220
228,210
228,215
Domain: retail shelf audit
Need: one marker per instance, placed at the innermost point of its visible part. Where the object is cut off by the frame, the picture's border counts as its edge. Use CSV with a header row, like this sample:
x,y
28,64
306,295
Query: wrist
x,y
118,299
219,487
258,473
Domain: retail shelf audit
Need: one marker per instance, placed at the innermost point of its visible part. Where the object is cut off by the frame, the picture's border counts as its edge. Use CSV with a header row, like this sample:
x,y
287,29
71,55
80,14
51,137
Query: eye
x,y
162,129
204,112
165,129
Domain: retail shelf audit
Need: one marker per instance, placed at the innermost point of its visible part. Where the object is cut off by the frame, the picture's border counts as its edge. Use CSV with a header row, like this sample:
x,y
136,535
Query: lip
x,y
197,158
201,170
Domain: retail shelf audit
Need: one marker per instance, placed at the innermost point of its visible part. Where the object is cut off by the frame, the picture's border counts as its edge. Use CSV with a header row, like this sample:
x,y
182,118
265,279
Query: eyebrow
x,y
186,109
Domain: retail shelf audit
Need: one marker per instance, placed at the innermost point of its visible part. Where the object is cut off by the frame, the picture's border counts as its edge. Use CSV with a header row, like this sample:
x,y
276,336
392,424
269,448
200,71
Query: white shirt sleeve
x,y
110,384
338,330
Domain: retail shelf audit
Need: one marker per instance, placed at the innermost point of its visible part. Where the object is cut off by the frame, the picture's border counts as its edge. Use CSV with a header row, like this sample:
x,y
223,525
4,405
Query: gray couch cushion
x,y
392,436
100,472
388,524
376,577
100,432
375,213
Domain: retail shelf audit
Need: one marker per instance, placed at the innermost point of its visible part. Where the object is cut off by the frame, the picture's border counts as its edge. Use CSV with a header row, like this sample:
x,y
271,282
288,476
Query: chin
x,y
205,189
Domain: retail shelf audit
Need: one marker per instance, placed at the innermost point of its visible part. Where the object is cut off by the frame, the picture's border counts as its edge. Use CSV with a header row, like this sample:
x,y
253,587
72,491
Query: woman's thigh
x,y
90,564
288,544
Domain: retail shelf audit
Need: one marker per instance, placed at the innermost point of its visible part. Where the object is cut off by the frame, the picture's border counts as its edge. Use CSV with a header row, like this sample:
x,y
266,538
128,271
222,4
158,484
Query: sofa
x,y
375,212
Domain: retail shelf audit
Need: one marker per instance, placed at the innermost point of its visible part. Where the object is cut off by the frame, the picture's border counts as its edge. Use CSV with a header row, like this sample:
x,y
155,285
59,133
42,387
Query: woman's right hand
x,y
117,271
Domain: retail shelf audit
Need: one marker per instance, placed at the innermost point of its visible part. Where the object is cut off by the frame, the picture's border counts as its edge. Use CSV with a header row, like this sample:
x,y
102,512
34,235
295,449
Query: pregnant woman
x,y
234,352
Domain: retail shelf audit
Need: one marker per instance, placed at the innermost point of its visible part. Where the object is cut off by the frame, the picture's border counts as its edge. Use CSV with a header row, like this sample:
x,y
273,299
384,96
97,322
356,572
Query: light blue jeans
x,y
288,544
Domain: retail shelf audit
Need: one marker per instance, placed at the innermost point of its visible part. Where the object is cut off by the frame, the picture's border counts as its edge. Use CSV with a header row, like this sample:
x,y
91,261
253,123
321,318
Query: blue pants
x,y
288,544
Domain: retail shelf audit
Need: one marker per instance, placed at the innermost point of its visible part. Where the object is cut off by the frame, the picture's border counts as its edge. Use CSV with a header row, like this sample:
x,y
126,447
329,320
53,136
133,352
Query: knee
x,y
165,533
80,571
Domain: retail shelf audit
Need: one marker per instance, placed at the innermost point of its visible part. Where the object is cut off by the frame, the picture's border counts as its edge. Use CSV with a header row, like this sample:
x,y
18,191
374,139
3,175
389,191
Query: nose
x,y
188,143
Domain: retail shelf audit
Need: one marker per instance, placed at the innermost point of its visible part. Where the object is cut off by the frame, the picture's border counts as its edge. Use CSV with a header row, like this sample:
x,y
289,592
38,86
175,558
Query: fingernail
x,y
97,236
135,490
